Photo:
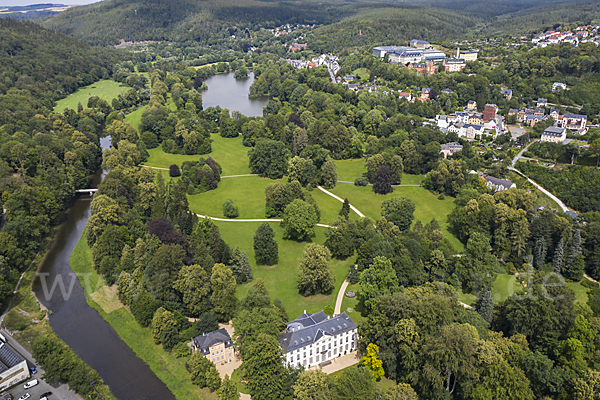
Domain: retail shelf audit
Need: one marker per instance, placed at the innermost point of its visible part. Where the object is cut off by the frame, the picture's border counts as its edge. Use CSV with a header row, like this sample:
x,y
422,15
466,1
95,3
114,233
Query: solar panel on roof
x,y
8,357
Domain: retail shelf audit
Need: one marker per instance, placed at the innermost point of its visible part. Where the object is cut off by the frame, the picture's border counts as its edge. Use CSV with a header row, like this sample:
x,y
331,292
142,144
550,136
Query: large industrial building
x,y
405,55
13,368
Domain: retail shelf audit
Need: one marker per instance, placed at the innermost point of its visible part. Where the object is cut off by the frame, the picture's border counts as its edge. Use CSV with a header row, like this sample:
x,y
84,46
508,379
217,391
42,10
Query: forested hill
x,y
40,66
109,21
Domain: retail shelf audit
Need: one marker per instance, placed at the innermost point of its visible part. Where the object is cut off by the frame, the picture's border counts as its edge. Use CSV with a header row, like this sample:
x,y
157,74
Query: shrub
x,y
174,171
181,350
441,197
361,181
230,210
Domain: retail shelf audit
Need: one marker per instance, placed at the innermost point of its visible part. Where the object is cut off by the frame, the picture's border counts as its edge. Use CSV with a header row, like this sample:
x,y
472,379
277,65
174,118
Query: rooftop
x,y
206,340
308,328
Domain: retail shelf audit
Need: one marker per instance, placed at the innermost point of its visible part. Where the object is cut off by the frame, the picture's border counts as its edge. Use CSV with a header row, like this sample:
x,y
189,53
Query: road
x,y
523,150
58,391
562,205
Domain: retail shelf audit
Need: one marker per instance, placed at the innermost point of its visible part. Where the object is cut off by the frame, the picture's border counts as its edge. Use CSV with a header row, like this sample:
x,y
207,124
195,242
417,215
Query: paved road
x,y
514,161
370,184
61,392
562,205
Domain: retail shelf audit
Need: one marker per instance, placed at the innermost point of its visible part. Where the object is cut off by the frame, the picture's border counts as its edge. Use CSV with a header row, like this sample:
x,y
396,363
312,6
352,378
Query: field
x,y
169,369
105,89
427,204
229,153
134,118
281,279
349,170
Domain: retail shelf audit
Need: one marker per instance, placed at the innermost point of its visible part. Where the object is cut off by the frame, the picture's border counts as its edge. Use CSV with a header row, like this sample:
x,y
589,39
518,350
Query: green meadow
x,y
105,89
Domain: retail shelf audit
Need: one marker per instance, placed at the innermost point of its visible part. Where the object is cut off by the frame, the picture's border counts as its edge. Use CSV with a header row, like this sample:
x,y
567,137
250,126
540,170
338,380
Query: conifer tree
x,y
345,211
539,252
557,262
245,266
575,248
266,250
485,306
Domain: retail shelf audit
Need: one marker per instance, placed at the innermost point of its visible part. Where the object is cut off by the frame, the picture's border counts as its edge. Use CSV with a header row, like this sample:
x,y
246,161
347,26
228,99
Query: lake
x,y
227,92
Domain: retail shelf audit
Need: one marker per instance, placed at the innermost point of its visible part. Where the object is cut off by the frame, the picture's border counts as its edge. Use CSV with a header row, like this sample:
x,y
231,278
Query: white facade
x,y
326,348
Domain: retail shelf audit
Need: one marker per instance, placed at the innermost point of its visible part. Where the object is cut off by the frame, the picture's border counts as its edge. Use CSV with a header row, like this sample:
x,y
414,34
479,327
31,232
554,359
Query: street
x,y
59,391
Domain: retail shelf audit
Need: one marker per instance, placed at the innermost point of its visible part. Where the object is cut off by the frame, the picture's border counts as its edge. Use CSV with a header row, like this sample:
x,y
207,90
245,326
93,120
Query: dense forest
x,y
110,21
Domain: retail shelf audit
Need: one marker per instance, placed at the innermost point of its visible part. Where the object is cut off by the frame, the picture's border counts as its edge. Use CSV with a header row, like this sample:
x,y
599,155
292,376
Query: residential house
x,y
446,91
449,149
297,46
216,346
471,130
541,102
349,78
442,121
462,117
405,95
554,113
312,339
426,68
574,122
554,134
556,86
472,105
507,93
419,44
532,119
475,119
458,128
498,184
454,64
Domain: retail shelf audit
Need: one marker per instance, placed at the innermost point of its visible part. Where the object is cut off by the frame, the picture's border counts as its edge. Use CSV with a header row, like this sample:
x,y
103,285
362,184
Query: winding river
x,y
79,325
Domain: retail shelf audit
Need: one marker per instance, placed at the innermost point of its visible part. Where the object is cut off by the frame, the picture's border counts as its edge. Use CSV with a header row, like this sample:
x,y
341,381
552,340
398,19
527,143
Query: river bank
x,y
170,370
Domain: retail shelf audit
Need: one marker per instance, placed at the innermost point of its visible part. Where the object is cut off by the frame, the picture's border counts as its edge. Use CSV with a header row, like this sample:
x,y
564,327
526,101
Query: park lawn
x,y
581,292
169,369
236,378
352,303
504,286
134,118
281,279
349,170
467,298
228,152
362,73
105,89
330,208
427,205
246,192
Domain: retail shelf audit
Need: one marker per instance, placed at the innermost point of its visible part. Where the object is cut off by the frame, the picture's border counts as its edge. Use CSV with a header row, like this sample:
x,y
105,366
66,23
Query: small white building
x,y
312,339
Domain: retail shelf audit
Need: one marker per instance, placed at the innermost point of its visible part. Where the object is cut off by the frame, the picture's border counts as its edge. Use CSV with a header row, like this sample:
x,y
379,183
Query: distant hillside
x,y
206,21
32,11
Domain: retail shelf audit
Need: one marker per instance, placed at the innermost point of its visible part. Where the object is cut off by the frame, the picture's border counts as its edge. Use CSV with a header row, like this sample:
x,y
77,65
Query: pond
x,y
227,92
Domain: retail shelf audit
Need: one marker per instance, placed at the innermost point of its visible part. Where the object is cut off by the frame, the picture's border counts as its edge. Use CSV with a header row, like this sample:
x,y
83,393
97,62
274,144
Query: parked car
x,y
45,395
3,338
33,370
25,396
31,383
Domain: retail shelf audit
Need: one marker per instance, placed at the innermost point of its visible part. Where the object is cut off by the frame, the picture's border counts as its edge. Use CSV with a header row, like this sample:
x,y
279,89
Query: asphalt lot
x,y
58,391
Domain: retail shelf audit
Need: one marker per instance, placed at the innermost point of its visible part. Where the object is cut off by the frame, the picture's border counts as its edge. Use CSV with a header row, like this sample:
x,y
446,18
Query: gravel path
x,y
340,199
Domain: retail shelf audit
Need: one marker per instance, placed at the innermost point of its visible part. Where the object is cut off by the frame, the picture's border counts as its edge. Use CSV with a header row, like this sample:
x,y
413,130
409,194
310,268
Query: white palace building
x,y
312,339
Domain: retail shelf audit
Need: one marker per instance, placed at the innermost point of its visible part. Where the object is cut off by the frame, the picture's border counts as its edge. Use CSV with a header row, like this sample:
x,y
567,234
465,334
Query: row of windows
x,y
220,357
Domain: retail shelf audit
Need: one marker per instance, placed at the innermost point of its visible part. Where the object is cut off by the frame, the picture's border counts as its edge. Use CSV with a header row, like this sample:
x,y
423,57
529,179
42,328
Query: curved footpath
x,y
252,220
340,199
562,205
340,297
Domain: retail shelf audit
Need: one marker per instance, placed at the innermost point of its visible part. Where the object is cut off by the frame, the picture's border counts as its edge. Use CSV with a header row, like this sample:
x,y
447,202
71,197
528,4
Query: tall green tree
x,y
299,220
345,211
316,275
193,284
312,385
399,211
223,287
485,306
329,173
263,365
372,362
228,390
557,260
376,281
203,372
266,249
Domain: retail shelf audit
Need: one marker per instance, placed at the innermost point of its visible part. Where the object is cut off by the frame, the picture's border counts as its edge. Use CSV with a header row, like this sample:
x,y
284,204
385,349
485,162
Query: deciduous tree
x,y
316,275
